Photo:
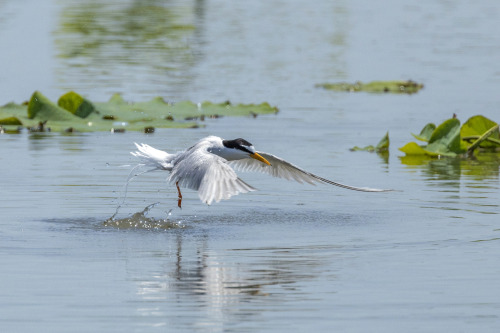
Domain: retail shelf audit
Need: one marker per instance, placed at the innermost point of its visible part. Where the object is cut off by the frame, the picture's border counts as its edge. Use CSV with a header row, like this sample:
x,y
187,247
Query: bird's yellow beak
x,y
259,158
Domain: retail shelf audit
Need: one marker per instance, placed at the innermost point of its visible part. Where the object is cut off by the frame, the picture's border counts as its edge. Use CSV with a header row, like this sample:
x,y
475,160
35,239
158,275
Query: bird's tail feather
x,y
152,157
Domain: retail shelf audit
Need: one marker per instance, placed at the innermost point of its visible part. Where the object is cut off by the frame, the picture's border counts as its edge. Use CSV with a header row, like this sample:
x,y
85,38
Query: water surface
x,y
289,257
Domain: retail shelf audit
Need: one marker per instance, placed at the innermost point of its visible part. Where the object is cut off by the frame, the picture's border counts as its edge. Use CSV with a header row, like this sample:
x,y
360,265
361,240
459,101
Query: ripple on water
x,y
140,220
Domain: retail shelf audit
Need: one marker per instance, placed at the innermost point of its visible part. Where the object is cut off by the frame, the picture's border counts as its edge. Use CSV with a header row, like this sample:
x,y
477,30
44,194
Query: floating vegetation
x,y
376,87
74,113
478,133
381,147
10,121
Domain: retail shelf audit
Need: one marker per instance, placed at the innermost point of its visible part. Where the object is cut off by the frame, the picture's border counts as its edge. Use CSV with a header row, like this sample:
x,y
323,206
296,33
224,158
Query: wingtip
x,y
369,189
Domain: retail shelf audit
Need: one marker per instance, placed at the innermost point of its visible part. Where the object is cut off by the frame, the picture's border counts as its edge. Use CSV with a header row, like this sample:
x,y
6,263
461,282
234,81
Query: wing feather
x,y
283,169
153,157
208,174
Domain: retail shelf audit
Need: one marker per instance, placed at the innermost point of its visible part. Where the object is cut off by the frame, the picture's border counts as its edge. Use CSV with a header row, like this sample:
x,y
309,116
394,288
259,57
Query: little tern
x,y
207,167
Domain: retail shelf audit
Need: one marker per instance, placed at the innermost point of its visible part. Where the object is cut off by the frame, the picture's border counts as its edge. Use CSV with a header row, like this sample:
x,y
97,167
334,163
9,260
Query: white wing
x,y
283,169
209,174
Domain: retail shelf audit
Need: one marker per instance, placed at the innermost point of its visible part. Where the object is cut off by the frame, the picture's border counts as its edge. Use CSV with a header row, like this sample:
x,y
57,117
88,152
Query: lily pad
x,y
477,126
41,108
449,139
381,147
395,87
413,148
425,133
76,104
75,113
10,121
443,141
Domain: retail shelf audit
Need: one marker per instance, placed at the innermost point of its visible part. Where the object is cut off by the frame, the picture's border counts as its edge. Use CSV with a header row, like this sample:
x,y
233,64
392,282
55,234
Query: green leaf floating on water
x,y
381,147
75,113
11,117
10,121
425,133
413,148
443,141
449,139
76,104
395,87
476,126
41,108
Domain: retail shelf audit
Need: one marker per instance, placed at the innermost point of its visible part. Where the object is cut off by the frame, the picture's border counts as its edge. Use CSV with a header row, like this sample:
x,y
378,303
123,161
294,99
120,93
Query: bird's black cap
x,y
239,143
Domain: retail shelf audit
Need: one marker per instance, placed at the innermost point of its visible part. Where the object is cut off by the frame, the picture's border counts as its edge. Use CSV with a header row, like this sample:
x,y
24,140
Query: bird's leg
x,y
179,202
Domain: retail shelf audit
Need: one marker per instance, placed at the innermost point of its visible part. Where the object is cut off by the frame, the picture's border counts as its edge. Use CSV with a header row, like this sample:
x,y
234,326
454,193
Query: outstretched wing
x,y
283,169
208,174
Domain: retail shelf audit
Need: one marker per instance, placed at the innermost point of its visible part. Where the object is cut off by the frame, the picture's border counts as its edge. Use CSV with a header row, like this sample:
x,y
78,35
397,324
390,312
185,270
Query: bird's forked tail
x,y
152,157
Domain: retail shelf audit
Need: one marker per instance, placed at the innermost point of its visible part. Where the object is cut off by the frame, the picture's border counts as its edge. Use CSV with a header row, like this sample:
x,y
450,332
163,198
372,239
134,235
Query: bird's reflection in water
x,y
221,284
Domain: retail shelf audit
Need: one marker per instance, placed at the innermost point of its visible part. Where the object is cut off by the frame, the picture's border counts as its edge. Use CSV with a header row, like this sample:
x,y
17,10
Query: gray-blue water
x,y
289,257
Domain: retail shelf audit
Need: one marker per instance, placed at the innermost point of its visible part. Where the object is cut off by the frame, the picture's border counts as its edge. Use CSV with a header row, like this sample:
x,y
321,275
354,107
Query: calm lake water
x,y
289,257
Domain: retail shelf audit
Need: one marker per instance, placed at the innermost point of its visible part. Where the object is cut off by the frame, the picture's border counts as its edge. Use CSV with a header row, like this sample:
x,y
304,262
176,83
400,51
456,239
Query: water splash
x,y
140,220
130,177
